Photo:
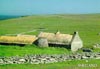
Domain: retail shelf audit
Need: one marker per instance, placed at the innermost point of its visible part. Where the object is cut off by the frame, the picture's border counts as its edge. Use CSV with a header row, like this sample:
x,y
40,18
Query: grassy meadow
x,y
88,26
28,50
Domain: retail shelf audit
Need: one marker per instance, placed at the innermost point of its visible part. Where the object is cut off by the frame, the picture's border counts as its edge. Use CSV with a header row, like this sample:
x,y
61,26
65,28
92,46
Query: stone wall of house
x,y
43,59
42,42
76,42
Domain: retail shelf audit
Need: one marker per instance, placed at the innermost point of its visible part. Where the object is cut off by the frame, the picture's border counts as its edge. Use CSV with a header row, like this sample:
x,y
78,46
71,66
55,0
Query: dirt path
x,y
22,32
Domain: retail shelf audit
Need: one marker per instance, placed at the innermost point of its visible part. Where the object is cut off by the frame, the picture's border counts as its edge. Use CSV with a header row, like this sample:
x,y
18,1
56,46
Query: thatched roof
x,y
58,37
19,39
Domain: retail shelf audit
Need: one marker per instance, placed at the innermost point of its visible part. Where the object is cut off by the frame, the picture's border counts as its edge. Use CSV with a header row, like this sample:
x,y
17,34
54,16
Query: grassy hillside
x,y
87,25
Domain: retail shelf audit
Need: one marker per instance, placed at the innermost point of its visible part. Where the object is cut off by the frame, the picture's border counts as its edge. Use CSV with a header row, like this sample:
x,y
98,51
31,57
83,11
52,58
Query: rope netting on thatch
x,y
58,37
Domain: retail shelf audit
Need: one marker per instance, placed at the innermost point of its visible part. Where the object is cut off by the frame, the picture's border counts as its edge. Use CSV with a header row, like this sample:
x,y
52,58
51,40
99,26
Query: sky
x,y
30,7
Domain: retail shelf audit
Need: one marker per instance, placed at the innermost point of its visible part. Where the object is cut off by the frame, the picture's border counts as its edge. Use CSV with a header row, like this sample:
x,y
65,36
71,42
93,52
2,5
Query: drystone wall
x,y
43,59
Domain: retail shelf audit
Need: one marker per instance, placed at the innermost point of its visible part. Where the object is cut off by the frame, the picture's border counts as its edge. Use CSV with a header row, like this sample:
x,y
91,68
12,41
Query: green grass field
x,y
88,26
28,50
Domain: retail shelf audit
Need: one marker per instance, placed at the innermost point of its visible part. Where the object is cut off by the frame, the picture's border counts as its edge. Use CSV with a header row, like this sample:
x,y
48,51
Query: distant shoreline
x,y
4,17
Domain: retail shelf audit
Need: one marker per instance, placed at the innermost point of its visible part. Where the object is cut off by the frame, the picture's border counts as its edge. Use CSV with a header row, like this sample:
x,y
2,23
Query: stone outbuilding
x,y
45,39
73,41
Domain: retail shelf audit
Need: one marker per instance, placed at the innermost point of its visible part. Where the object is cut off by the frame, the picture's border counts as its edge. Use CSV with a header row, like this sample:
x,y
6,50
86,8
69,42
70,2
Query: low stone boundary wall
x,y
43,59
